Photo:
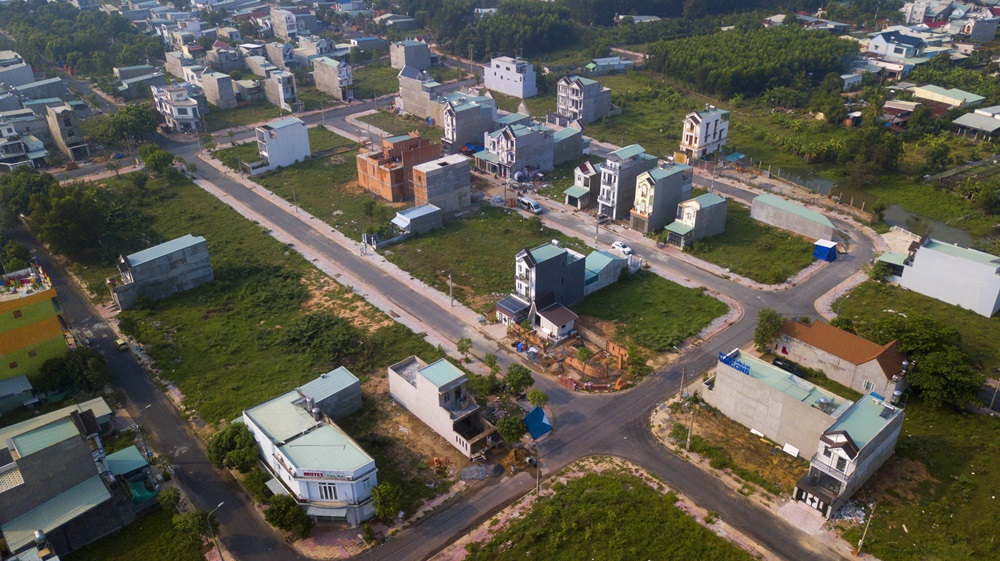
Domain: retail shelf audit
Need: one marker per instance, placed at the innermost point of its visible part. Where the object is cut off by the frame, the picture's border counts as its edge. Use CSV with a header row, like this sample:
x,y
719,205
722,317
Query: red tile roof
x,y
845,345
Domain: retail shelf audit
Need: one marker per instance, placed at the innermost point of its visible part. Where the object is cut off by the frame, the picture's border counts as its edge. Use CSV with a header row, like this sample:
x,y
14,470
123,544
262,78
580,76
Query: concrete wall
x,y
17,75
837,369
176,62
225,61
128,72
563,280
499,75
218,89
710,221
423,400
260,66
140,88
567,148
157,279
444,183
342,403
756,405
960,282
419,99
330,80
406,53
780,218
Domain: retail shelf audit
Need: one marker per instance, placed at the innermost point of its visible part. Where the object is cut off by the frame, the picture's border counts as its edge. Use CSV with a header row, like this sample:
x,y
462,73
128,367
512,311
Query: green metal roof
x,y
893,258
660,173
328,449
582,80
42,437
281,123
627,152
511,118
597,261
441,373
546,251
330,383
708,199
398,138
97,405
165,248
57,511
865,419
787,383
487,156
280,419
964,253
126,461
679,227
576,191
566,133
796,209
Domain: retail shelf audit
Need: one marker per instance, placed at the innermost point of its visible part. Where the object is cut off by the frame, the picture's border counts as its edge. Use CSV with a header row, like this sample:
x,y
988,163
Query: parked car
x,y
529,205
622,247
787,366
121,344
602,218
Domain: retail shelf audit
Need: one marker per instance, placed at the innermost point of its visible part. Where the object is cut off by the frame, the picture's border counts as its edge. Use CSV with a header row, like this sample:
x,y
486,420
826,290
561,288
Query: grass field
x,y
538,106
151,538
871,300
652,311
375,80
402,124
320,139
218,119
478,251
753,249
314,99
610,517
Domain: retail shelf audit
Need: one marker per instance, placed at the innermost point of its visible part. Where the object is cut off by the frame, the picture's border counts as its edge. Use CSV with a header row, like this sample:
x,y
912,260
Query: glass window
x,y
327,491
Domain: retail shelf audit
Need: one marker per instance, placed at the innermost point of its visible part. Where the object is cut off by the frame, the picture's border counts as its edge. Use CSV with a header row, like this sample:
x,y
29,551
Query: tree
x,y
518,379
135,120
157,160
388,500
944,378
233,447
538,398
879,271
463,346
206,141
196,523
19,186
169,498
113,166
14,256
285,513
769,324
85,369
511,428
490,360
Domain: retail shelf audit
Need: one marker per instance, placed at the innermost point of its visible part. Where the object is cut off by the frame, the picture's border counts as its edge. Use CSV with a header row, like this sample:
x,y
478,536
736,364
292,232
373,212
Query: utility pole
x,y
865,533
683,372
538,472
322,113
451,293
690,429
294,200
597,224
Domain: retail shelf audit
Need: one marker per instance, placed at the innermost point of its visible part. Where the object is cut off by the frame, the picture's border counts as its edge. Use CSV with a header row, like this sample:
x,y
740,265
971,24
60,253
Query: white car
x,y
622,247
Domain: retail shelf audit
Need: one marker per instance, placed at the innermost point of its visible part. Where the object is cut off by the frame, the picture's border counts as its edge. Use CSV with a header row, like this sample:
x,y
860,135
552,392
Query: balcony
x,y
461,408
817,464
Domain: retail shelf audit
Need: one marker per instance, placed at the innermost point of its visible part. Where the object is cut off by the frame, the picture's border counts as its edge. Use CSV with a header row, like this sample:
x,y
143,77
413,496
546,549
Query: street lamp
x,y
690,428
841,304
142,437
215,539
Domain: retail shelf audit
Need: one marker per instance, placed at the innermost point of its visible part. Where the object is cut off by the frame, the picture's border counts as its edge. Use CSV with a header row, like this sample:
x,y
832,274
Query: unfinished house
x,y
156,273
410,53
65,130
280,90
218,89
444,183
388,172
334,77
436,394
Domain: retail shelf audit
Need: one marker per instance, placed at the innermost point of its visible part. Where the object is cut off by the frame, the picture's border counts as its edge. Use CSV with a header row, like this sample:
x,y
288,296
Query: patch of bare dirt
x,y
326,294
352,187
899,480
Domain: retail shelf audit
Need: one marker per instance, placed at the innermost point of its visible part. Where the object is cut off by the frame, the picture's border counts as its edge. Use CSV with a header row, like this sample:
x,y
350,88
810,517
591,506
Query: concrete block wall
x,y
780,218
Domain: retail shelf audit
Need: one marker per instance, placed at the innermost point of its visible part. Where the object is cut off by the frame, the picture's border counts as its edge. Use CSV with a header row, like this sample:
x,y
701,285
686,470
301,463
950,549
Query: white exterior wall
x,y
424,401
961,282
501,75
837,369
289,145
705,134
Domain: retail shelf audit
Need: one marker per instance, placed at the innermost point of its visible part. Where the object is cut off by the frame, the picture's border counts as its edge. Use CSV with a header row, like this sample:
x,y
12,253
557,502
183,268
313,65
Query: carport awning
x,y
487,156
327,512
893,258
679,227
276,487
577,191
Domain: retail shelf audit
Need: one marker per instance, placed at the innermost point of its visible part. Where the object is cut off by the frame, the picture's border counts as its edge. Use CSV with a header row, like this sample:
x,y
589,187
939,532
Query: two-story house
x,y
618,175
510,76
582,99
334,77
180,112
436,394
311,458
701,217
849,452
894,44
705,132
586,185
657,194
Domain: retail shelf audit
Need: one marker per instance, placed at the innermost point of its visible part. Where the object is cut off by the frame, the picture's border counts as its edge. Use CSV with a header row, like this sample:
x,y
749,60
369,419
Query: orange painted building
x,y
389,172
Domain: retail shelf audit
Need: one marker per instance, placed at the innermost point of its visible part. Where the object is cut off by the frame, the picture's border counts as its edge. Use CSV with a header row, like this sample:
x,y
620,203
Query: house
x,y
657,194
281,55
175,63
701,217
844,357
950,273
312,47
705,132
436,394
586,185
180,112
466,118
281,91
15,393
56,480
849,452
280,143
259,65
312,459
64,128
18,149
395,22
601,269
411,53
896,45
555,322
609,65
517,151
582,99
225,60
51,87
954,97
510,76
334,77
388,172
218,88
126,72
772,402
140,86
419,95
283,25
618,175
980,29
31,323
784,214
985,122
159,271
16,74
443,183
418,219
549,274
368,43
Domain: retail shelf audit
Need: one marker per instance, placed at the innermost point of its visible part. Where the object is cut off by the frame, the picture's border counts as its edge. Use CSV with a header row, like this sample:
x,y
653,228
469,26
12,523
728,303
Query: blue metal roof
x,y
163,249
329,384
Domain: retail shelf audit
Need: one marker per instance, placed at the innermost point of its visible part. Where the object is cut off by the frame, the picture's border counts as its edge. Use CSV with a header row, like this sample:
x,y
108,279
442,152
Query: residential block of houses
x,y
19,149
849,452
159,271
334,77
388,172
280,143
896,45
705,132
582,99
520,150
436,394
411,53
510,76
310,457
31,324
618,175
784,214
444,183
180,112
657,194
844,357
701,217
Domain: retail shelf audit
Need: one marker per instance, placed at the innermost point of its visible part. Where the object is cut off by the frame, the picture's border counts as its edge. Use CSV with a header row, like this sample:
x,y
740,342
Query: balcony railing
x,y
818,464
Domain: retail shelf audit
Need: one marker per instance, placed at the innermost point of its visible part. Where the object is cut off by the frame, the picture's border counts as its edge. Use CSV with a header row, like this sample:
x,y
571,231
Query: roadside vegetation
x,y
151,538
218,119
375,80
401,124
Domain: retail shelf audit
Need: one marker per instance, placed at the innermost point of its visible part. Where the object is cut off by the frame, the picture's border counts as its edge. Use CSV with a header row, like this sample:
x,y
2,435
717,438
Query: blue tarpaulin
x,y
825,250
538,424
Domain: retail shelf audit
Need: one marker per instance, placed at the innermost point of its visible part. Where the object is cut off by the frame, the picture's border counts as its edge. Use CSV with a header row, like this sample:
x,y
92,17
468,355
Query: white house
x,y
510,76
897,45
436,394
281,143
956,275
179,111
311,458
705,132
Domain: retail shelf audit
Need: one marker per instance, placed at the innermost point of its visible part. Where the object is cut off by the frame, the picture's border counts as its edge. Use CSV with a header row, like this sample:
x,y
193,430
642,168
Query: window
x,y
841,465
182,111
12,365
826,451
366,483
327,491
869,386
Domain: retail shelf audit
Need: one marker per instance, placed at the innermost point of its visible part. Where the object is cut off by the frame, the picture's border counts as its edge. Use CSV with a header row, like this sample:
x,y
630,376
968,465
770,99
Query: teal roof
x,y
627,152
660,173
126,461
328,449
398,138
55,512
788,383
511,118
963,252
865,419
441,373
282,123
163,249
566,133
545,252
597,261
330,383
576,191
42,437
487,156
679,227
97,405
893,258
410,43
796,209
582,80
708,199
280,419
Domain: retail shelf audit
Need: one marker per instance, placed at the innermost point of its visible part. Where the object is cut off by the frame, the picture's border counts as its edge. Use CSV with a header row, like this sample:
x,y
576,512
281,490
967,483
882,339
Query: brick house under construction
x,y
388,172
